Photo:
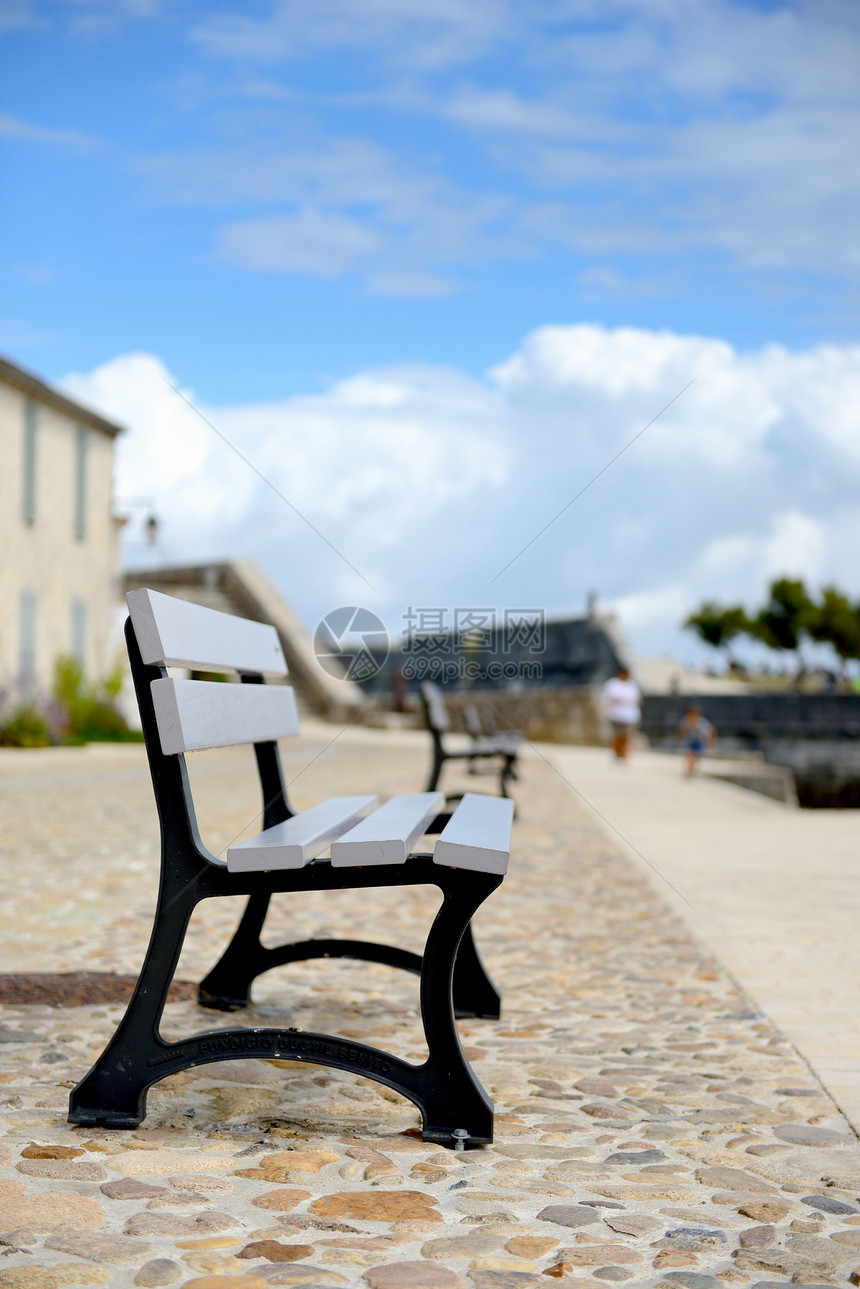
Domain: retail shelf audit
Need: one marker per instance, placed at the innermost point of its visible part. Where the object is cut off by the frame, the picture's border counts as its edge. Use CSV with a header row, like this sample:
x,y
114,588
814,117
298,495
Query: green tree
x,y
836,622
717,625
788,615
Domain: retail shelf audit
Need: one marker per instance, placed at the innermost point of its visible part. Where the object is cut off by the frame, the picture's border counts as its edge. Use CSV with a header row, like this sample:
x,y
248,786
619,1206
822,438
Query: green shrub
x,y
68,684
90,711
78,713
27,726
102,722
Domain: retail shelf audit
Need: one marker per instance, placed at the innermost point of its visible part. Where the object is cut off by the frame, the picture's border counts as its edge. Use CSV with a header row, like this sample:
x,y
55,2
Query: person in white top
x,y
622,703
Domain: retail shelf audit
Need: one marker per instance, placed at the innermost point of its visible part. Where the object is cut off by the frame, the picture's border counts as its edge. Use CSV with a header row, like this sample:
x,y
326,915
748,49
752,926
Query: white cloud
x,y
309,242
725,129
737,569
169,453
429,481
17,15
822,384
424,33
346,206
12,127
330,172
796,541
501,112
382,465
644,612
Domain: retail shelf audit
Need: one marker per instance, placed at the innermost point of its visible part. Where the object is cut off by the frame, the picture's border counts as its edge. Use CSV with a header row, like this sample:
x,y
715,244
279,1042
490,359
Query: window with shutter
x,y
28,493
80,483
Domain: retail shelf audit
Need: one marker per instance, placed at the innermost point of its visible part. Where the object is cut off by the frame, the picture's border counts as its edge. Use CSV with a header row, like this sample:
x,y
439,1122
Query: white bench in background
x,y
343,843
503,749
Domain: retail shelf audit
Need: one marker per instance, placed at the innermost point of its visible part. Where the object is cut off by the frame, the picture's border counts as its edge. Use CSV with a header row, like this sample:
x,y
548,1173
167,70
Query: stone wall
x,y
815,736
749,719
541,715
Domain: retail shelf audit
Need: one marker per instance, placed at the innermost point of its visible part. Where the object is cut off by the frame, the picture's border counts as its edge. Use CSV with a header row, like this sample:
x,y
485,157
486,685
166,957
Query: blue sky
x,y
491,237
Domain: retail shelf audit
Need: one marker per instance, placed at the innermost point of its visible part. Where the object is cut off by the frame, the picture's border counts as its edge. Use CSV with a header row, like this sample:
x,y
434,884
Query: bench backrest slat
x,y
195,714
472,721
434,703
176,633
478,835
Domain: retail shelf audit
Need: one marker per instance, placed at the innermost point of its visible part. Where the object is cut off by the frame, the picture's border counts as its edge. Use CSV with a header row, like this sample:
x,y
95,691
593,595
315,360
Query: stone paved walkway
x,y
653,1127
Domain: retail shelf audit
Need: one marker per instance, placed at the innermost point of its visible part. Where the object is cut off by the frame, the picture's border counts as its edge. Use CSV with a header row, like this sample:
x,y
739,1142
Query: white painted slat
x,y
194,714
472,721
175,633
478,835
498,744
388,835
299,840
436,709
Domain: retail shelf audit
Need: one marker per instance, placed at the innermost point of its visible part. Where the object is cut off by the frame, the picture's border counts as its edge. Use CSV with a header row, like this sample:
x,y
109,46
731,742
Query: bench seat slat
x,y
492,745
506,743
478,835
195,714
297,841
177,633
388,835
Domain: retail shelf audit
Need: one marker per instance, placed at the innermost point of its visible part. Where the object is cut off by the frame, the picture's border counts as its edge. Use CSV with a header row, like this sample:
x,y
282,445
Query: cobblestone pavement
x,y
652,1127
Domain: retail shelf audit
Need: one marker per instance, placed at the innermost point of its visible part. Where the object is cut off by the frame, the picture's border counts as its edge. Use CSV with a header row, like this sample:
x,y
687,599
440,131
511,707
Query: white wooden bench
x,y
502,749
342,843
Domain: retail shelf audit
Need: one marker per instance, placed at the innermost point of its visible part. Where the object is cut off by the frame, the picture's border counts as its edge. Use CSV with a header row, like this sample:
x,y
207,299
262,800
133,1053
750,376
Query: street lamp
x,y
151,524
151,527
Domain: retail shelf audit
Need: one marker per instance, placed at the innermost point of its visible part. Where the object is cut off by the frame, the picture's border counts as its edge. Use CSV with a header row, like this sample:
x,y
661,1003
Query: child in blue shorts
x,y
698,736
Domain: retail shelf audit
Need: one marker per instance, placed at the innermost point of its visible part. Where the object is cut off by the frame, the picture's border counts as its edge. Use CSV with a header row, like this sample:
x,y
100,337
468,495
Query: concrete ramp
x,y
240,586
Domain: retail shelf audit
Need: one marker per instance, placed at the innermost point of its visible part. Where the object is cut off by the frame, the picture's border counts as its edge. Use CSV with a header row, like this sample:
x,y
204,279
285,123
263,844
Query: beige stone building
x,y
59,537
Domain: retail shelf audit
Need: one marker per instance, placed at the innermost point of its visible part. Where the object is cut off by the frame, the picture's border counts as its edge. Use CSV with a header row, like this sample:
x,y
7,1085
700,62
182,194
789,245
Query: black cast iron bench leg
x,y
113,1093
439,760
474,992
227,987
452,1102
507,772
